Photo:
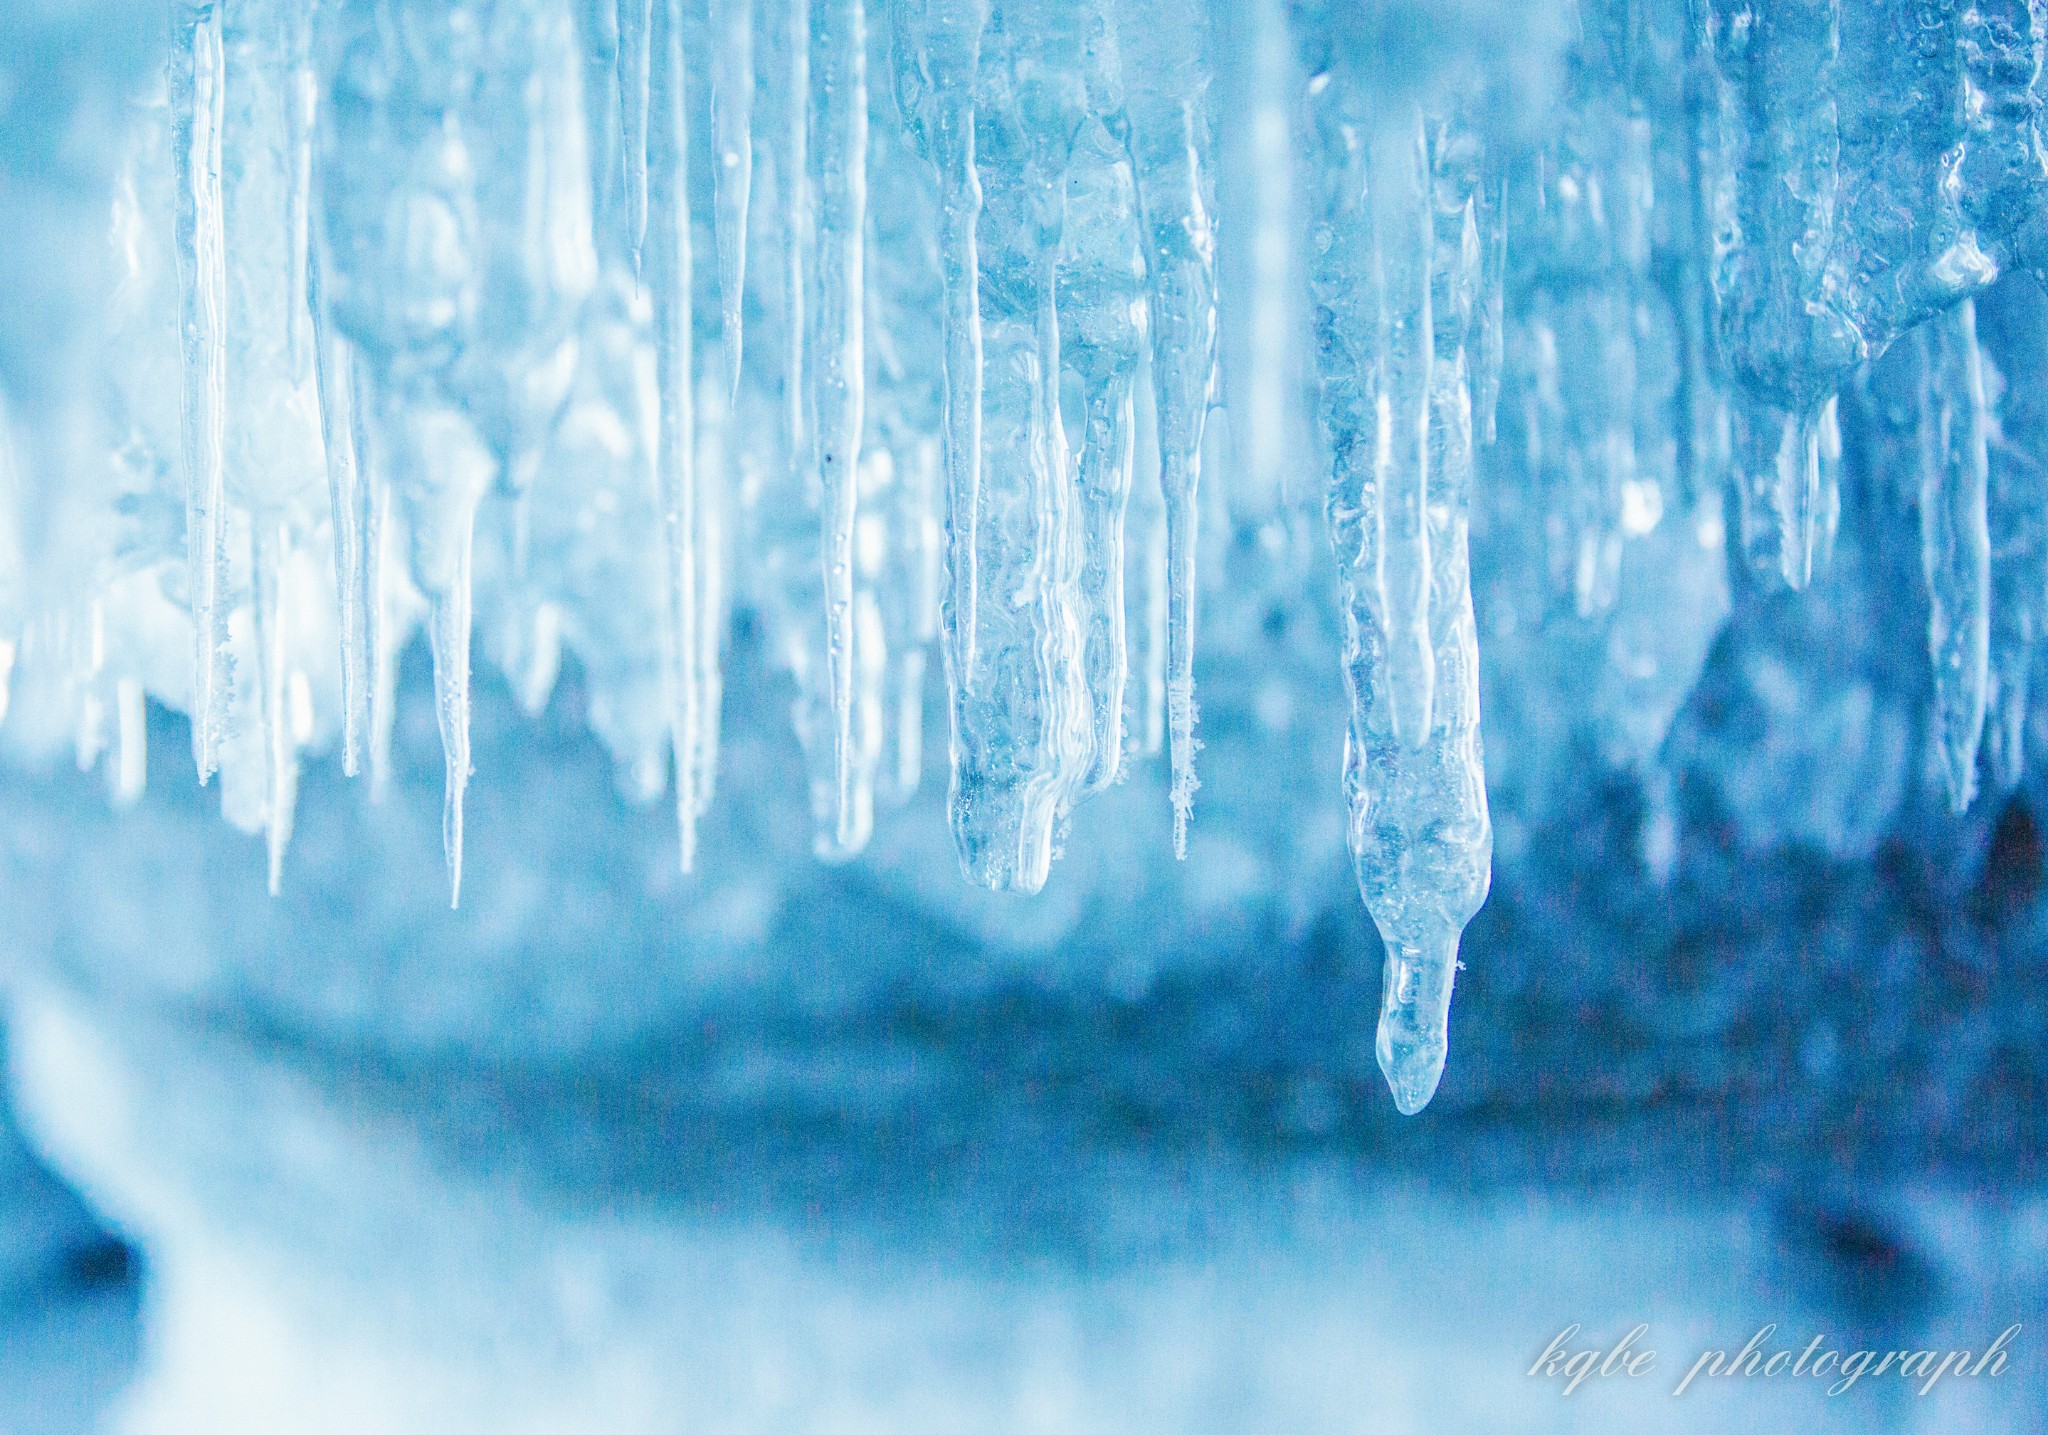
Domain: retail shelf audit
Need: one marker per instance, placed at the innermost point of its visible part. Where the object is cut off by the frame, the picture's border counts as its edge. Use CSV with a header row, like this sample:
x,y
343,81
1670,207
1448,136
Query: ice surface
x,y
893,326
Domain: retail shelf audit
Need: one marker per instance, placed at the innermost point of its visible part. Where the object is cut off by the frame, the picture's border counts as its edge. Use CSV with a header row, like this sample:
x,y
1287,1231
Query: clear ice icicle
x,y
1102,332
1164,83
635,24
438,471
938,60
732,139
1955,537
2009,317
1419,830
448,631
666,268
839,363
793,176
198,96
348,492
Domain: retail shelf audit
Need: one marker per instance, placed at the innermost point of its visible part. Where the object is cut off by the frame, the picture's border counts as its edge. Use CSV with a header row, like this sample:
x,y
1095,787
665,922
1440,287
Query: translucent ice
x,y
569,329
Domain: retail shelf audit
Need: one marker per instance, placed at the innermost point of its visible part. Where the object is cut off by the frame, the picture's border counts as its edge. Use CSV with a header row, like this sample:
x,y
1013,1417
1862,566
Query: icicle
x,y
270,545
1827,478
1784,303
2019,579
439,470
906,385
198,97
348,490
1998,175
1419,829
1777,462
839,366
938,58
1022,736
301,97
668,270
1145,594
1955,539
635,19
1164,83
794,177
2009,320
1489,347
370,623
1101,292
732,120
448,630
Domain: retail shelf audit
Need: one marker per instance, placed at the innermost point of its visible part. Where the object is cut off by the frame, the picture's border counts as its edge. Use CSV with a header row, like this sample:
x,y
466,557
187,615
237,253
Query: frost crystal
x,y
573,326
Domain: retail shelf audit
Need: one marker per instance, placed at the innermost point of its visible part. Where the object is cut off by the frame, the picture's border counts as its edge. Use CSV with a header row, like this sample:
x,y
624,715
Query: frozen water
x,y
587,330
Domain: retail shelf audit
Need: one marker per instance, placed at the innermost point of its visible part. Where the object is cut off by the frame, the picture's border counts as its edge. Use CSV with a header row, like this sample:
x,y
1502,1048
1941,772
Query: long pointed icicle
x,y
448,630
938,59
1102,279
1161,48
794,175
1955,538
635,18
1146,596
838,370
2017,514
732,139
1419,829
1022,735
198,94
667,269
438,472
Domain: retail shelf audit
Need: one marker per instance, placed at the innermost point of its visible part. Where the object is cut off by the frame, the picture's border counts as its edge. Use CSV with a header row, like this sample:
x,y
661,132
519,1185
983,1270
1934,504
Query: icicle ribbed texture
x,y
906,324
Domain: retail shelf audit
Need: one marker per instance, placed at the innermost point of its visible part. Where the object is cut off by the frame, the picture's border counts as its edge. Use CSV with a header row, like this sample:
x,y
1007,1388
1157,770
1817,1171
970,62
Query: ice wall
x,y
915,327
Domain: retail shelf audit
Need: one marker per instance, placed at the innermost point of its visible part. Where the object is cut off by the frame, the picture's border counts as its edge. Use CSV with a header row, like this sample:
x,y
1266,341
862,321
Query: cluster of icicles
x,y
923,306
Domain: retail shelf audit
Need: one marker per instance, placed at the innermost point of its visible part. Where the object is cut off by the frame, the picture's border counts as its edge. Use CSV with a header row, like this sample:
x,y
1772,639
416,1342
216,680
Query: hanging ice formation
x,y
901,323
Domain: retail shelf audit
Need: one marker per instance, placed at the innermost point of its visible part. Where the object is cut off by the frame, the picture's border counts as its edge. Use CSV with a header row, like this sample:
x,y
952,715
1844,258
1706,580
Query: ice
x,y
839,373
2017,514
389,314
197,100
1396,410
1162,42
732,119
1955,536
667,270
